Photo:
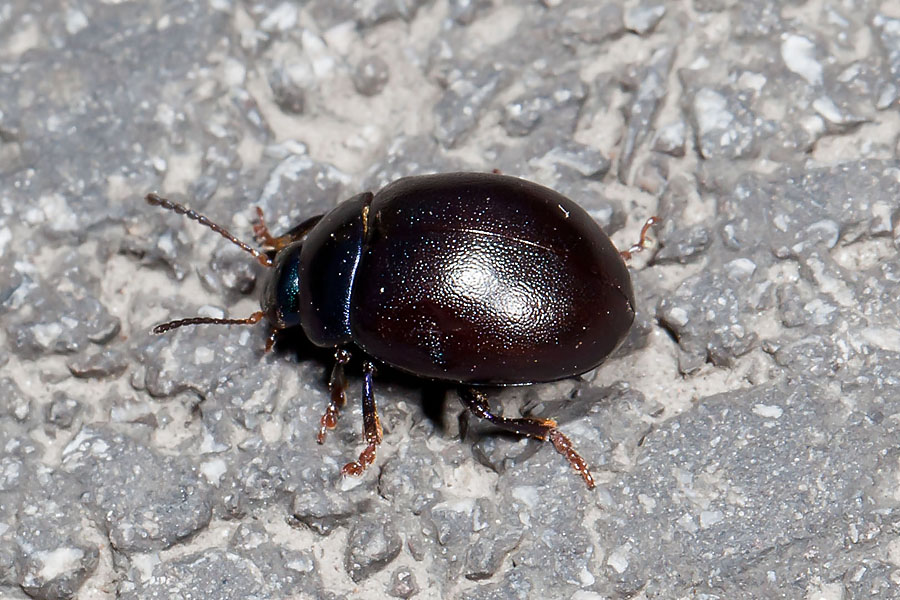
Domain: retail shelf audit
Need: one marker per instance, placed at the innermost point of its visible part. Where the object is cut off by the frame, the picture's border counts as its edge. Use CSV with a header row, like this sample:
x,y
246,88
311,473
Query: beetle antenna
x,y
156,200
251,320
642,243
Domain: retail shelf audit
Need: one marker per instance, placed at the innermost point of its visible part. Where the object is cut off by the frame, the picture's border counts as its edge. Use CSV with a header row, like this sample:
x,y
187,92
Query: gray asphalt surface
x,y
744,438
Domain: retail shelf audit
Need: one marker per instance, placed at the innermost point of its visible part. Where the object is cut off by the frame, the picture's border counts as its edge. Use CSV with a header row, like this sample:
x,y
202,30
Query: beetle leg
x,y
476,402
269,242
371,426
338,388
541,429
642,243
261,231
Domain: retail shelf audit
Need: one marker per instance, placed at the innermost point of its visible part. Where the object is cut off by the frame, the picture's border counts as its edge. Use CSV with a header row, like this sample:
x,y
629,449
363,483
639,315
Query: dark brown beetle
x,y
473,279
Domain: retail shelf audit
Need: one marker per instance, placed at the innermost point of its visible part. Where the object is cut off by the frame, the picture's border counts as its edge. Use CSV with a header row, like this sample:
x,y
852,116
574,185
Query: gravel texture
x,y
744,438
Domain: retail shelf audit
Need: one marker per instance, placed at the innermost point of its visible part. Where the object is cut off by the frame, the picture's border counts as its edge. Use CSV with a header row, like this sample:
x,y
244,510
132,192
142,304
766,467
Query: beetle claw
x,y
564,446
372,431
270,341
366,458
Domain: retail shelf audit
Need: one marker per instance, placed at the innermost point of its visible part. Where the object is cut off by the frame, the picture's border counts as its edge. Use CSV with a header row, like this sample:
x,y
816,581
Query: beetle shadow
x,y
441,406
434,403
293,342
433,394
437,399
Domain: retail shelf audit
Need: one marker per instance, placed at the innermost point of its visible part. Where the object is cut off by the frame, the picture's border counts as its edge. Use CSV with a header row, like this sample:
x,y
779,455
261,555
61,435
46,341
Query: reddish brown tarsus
x,y
642,243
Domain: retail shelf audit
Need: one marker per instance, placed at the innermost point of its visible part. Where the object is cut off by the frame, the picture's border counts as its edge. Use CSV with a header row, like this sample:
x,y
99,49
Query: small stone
x,y
54,330
10,280
7,564
321,511
75,564
644,18
156,501
683,245
466,11
379,11
203,188
53,553
103,327
740,269
229,273
551,105
299,176
485,556
450,524
411,479
725,126
211,573
713,5
62,410
670,139
105,363
288,94
887,95
12,401
522,115
799,56
707,314
650,90
371,75
837,113
651,176
596,24
492,451
790,306
403,584
469,92
371,545
581,159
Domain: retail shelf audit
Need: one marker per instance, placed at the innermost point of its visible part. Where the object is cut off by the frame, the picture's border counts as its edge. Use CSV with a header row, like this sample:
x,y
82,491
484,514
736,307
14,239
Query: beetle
x,y
470,279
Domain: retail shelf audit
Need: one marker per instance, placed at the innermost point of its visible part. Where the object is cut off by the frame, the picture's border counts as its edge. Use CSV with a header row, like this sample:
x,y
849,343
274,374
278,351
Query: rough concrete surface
x,y
745,438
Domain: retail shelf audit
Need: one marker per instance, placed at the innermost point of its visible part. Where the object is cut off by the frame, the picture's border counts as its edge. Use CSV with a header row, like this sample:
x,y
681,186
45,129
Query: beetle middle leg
x,y
372,432
541,429
337,385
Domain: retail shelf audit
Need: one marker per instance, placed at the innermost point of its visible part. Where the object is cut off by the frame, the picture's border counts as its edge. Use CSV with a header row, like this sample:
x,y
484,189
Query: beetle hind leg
x,y
372,432
541,429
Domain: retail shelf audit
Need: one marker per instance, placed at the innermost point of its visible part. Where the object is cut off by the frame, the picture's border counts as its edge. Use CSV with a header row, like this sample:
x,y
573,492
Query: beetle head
x,y
280,298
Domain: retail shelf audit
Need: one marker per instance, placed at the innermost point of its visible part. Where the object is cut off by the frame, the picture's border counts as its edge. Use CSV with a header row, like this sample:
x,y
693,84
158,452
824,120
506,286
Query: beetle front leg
x,y
541,429
337,385
372,432
261,231
270,242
